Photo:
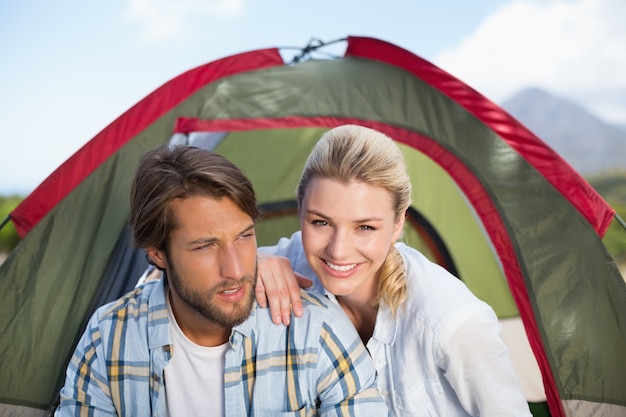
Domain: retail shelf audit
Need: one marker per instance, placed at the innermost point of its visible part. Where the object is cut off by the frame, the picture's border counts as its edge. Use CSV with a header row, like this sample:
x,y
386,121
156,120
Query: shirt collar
x,y
158,322
247,327
386,327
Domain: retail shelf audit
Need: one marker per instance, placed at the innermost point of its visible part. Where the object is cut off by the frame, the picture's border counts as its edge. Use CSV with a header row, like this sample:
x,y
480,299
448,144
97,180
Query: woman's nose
x,y
339,245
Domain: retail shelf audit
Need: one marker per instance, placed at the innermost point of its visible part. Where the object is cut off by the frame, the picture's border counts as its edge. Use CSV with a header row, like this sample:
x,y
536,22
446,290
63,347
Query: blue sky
x,y
68,68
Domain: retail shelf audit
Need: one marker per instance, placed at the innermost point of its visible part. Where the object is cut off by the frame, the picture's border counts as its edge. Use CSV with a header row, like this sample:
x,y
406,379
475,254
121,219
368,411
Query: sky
x,y
68,68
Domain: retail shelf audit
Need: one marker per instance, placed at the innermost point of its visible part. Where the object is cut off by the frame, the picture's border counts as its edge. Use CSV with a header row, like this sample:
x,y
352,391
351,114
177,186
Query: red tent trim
x,y
87,159
550,164
589,203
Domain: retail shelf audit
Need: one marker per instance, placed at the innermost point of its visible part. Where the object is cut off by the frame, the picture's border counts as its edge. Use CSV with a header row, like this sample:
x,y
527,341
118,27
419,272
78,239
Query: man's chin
x,y
235,314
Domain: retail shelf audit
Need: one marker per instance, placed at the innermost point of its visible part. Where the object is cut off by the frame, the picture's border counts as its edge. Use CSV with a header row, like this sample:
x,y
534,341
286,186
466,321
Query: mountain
x,y
587,143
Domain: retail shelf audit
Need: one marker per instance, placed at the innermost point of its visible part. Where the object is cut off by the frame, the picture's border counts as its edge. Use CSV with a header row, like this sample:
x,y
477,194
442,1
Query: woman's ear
x,y
399,228
158,257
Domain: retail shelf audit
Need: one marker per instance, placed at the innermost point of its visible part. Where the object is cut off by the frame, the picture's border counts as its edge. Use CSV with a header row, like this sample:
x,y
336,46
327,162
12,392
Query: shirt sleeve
x,y
86,391
478,366
346,374
291,248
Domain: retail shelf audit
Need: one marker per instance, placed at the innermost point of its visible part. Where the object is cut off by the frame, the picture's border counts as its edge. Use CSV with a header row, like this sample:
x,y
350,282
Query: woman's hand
x,y
279,286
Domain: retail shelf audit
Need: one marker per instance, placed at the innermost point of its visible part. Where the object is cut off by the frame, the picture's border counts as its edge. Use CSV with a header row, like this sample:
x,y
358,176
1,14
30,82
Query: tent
x,y
491,201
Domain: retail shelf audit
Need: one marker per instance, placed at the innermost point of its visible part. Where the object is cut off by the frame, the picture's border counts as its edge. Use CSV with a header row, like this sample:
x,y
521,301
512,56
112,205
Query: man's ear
x,y
158,257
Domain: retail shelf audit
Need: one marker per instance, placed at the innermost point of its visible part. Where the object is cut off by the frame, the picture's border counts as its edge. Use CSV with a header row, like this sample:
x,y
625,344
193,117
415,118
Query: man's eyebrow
x,y
205,240
247,229
202,240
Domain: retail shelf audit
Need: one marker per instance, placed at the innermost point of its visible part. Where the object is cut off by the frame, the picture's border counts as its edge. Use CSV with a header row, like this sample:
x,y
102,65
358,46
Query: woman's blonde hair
x,y
352,152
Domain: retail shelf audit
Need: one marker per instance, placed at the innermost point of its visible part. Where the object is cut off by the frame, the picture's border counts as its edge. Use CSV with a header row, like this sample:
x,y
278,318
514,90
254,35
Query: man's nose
x,y
231,263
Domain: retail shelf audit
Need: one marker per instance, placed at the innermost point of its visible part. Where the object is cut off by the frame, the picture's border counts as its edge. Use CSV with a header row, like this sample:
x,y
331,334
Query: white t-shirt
x,y
194,377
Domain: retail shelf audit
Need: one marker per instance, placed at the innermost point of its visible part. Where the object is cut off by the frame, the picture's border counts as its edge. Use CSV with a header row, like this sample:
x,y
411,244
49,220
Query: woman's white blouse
x,y
442,354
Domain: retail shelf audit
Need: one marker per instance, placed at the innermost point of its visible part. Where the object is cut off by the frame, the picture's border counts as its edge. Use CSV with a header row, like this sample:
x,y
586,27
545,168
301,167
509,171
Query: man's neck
x,y
195,326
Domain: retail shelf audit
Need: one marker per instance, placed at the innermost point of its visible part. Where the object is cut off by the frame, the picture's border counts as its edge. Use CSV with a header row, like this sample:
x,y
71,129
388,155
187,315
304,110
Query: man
x,y
194,342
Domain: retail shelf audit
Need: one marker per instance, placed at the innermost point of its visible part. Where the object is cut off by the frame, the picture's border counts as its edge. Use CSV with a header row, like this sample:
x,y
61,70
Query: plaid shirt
x,y
316,365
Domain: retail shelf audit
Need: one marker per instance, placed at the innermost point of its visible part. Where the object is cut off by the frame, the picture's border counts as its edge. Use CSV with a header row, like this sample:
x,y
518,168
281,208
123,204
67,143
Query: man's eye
x,y
205,246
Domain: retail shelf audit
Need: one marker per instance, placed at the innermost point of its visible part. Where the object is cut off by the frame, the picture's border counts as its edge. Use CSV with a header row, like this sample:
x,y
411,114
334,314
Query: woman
x,y
435,345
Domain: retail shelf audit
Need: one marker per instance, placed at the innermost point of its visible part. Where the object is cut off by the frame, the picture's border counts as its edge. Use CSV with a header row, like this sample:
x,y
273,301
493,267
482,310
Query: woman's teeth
x,y
340,268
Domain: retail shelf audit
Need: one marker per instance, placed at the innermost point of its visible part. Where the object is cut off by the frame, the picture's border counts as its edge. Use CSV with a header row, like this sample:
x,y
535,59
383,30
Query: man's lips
x,y
233,294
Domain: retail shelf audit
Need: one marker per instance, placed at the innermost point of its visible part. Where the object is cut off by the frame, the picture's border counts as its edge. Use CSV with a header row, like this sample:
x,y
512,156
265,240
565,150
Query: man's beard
x,y
203,303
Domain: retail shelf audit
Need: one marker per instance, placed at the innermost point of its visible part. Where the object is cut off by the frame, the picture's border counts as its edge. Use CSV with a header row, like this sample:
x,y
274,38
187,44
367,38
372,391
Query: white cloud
x,y
573,48
163,19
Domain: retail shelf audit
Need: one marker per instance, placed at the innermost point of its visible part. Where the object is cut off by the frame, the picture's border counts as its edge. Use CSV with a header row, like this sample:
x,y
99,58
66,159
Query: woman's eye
x,y
366,227
319,223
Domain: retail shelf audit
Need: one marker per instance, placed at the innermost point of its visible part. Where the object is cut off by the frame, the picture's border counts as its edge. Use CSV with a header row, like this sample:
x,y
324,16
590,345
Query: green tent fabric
x,y
491,202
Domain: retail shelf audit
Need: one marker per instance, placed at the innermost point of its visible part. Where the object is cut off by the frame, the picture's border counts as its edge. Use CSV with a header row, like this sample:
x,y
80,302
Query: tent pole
x,y
5,221
617,217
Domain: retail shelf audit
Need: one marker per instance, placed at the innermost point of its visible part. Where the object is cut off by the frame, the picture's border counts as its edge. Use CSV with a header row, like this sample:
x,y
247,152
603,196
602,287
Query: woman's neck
x,y
362,315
